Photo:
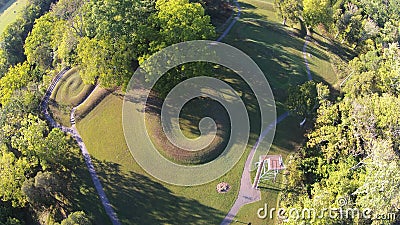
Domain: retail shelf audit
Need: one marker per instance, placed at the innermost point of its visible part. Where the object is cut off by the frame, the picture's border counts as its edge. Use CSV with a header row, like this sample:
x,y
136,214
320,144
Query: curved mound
x,y
190,116
71,90
68,93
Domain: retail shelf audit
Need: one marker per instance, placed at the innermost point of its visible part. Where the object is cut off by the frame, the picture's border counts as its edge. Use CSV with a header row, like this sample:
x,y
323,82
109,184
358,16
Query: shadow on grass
x,y
82,193
6,5
140,200
277,50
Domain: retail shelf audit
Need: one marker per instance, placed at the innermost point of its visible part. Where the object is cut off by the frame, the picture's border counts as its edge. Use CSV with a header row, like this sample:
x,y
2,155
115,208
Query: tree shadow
x,y
7,5
189,118
138,199
82,194
276,49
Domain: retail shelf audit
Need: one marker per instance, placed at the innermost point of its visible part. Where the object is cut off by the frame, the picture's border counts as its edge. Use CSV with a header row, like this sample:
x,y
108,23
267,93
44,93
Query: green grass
x,y
140,199
10,12
191,114
83,196
71,90
125,182
137,197
68,93
95,97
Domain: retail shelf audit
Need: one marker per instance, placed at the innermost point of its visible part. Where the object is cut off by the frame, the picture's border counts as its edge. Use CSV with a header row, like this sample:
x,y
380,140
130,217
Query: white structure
x,y
268,168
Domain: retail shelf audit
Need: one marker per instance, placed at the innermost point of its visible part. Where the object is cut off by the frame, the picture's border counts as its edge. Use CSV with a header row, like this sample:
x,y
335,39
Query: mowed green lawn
x,y
10,12
140,199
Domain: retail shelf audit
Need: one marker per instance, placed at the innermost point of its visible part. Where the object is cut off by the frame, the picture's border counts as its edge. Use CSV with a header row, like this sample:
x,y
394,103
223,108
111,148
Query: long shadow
x,y
140,200
270,44
190,116
82,194
6,5
277,50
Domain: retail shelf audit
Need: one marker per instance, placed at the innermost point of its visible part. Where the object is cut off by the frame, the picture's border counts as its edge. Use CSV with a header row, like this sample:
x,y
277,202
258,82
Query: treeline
x,y
351,158
106,41
362,24
13,38
37,162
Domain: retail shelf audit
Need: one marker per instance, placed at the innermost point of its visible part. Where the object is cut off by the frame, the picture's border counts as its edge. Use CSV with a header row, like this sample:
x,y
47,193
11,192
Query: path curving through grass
x,y
75,134
247,194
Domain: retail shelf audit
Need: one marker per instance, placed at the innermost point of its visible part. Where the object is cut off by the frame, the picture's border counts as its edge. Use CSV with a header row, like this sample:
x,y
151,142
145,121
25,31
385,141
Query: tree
x,y
12,176
12,42
44,190
303,99
380,190
289,10
175,22
77,218
179,21
110,63
114,40
375,72
55,152
137,33
316,12
16,78
38,48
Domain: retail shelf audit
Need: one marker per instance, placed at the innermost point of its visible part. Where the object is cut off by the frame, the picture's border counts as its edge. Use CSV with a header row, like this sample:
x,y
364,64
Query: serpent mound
x,y
68,93
190,117
71,90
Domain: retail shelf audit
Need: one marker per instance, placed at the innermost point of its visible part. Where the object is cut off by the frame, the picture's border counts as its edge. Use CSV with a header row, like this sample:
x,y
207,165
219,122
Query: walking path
x,y
75,134
247,194
305,57
237,17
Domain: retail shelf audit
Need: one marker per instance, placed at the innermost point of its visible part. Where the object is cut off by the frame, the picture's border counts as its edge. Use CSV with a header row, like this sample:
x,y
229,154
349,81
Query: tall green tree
x,y
16,78
38,46
289,10
303,99
317,12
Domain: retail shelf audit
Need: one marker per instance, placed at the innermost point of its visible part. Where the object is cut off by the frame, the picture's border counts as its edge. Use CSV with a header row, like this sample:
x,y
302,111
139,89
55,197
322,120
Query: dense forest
x,y
351,158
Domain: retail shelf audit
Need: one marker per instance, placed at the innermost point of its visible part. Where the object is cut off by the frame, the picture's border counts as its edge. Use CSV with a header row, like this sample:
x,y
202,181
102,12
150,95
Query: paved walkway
x,y
237,17
247,194
75,134
305,58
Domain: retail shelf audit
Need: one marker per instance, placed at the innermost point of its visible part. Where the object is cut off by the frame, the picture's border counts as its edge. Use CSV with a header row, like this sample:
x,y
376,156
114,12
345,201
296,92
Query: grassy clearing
x,y
140,199
137,197
68,93
130,189
10,12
